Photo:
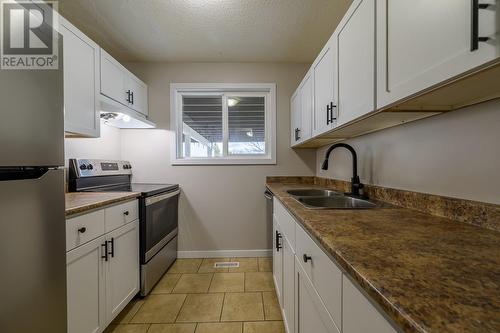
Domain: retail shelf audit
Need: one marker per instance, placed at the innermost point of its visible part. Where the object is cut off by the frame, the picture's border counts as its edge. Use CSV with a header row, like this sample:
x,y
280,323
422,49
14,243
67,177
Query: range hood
x,y
118,115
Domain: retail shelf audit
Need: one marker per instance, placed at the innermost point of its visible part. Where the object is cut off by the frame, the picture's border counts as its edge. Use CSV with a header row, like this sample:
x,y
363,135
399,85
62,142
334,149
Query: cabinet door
x,y
81,82
324,274
278,260
306,110
324,91
122,276
139,97
359,315
86,283
288,286
113,79
412,56
295,117
356,62
310,313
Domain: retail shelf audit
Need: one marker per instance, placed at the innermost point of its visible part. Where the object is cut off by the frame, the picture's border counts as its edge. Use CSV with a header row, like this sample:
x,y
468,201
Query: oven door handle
x,y
160,197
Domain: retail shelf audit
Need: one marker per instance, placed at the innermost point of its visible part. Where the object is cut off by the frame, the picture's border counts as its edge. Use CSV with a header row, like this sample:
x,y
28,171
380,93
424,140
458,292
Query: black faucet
x,y
355,182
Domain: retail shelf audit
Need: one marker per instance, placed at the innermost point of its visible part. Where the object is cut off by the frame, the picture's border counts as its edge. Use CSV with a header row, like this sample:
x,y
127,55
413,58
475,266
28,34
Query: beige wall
x,y
107,146
455,154
222,207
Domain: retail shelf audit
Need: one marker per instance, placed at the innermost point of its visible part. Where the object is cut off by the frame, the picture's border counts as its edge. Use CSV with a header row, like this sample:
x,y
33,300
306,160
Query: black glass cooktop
x,y
152,189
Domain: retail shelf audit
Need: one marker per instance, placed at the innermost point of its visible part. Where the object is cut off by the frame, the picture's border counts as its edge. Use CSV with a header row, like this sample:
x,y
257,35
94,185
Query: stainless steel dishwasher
x,y
269,217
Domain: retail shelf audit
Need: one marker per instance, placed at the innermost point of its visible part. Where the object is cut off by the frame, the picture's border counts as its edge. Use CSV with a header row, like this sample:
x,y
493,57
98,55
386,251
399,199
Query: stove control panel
x,y
80,168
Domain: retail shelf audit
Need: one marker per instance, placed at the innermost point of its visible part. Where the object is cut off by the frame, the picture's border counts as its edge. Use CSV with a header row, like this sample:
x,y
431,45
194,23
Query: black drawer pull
x,y
105,246
306,258
126,213
332,117
82,230
112,242
278,243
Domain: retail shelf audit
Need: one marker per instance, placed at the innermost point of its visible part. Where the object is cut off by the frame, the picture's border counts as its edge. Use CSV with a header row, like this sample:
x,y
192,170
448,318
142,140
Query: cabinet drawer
x,y
119,215
286,221
323,273
84,228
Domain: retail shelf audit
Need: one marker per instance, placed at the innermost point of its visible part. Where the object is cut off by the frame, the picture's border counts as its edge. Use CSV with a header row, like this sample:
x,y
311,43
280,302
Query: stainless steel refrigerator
x,y
32,219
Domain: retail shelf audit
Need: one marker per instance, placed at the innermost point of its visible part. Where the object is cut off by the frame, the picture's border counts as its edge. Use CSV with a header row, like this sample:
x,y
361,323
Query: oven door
x,y
160,221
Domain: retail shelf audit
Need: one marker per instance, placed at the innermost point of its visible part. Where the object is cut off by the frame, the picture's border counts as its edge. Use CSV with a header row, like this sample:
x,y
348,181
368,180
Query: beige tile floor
x,y
195,297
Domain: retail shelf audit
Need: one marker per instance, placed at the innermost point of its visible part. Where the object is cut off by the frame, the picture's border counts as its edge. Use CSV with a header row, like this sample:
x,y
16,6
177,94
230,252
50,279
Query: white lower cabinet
x,y
314,293
359,315
122,274
85,288
310,312
288,286
102,278
324,274
278,260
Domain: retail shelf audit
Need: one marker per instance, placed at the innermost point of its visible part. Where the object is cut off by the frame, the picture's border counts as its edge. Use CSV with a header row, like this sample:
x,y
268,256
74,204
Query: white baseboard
x,y
224,254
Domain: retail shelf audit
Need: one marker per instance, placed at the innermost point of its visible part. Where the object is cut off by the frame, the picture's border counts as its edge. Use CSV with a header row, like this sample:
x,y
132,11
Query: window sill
x,y
224,161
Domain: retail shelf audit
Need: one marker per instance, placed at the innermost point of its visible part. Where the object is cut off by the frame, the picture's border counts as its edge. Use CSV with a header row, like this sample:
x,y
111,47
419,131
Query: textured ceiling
x,y
208,30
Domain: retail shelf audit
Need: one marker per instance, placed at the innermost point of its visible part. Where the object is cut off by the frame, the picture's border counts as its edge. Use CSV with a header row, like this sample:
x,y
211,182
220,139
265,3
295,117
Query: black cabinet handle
x,y
332,118
126,213
297,136
129,95
132,98
475,39
82,230
112,242
306,258
105,256
278,243
328,117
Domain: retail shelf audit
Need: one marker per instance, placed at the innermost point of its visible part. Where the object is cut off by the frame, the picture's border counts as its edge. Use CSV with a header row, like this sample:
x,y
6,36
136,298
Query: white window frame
x,y
230,89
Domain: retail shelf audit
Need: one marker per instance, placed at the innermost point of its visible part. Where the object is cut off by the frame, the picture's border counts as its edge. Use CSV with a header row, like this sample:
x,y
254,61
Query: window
x,y
223,123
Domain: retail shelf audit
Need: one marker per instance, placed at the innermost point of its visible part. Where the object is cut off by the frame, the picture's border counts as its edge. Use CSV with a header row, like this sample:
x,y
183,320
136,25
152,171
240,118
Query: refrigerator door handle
x,y
20,173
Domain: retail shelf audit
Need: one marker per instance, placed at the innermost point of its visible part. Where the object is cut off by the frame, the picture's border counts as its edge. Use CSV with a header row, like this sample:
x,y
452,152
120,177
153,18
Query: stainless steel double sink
x,y
327,199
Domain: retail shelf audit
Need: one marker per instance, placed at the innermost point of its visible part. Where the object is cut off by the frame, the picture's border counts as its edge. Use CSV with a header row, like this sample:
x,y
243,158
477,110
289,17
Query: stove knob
x,y
125,166
90,167
129,166
83,167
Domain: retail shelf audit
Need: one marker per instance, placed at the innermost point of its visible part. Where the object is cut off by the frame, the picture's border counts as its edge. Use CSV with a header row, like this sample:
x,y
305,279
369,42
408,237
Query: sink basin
x,y
313,192
335,202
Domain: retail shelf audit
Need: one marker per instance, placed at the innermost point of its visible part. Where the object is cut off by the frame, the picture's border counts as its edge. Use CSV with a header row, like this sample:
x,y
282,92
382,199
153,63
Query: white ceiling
x,y
208,30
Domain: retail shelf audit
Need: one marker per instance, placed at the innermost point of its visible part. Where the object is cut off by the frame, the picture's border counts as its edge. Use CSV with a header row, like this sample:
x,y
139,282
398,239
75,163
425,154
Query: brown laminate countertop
x,y
80,202
429,274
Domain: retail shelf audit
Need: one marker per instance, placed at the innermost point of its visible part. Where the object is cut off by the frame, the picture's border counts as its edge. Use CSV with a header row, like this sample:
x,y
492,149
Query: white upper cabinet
x,y
356,61
138,95
118,84
295,106
306,101
81,82
113,79
325,106
423,43
301,110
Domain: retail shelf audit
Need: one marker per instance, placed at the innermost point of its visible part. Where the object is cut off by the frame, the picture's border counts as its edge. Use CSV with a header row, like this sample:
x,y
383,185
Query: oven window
x,y
161,220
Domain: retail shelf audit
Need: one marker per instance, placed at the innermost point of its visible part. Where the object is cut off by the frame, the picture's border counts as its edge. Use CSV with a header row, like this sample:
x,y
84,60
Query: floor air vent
x,y
227,264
